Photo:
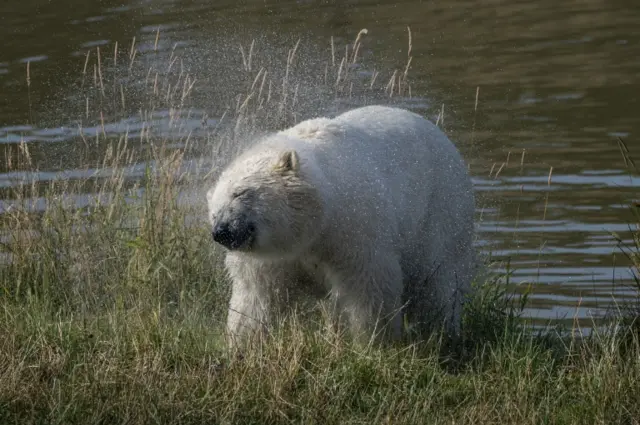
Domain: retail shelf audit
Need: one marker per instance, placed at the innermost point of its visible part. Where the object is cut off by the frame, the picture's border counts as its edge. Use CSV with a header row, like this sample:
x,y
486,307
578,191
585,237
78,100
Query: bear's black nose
x,y
232,236
221,234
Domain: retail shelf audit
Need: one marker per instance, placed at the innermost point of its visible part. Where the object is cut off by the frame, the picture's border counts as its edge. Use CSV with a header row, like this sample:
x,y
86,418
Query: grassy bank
x,y
112,301
138,366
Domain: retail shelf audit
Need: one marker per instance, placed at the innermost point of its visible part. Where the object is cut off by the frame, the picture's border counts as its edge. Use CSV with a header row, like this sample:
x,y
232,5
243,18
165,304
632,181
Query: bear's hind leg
x,y
450,285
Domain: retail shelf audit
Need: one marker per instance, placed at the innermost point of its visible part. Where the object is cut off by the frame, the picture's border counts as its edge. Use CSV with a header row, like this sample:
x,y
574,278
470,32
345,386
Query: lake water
x,y
559,81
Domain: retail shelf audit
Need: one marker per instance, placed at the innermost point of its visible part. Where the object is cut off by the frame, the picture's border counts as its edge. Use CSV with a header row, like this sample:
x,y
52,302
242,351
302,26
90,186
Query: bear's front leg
x,y
248,311
370,295
250,301
260,290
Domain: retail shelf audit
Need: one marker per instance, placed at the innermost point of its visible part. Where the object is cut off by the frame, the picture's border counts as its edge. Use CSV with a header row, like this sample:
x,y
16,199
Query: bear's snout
x,y
233,235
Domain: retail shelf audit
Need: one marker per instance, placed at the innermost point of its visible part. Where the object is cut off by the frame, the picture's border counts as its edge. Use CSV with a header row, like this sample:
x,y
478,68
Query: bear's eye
x,y
239,193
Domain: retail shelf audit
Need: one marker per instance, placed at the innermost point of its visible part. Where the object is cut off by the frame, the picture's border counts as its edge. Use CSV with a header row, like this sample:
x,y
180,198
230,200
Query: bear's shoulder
x,y
315,128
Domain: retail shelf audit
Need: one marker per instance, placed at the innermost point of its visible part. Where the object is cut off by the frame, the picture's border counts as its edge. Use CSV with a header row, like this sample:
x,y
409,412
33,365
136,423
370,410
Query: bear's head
x,y
265,205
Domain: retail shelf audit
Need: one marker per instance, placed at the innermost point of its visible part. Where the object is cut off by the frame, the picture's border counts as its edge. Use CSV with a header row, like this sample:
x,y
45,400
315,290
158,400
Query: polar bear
x,y
374,208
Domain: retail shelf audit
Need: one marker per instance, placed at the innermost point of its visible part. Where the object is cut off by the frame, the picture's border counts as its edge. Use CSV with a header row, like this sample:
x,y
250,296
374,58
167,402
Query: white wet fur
x,y
374,207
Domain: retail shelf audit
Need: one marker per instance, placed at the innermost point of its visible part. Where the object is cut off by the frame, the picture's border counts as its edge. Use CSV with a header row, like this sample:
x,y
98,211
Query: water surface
x,y
557,81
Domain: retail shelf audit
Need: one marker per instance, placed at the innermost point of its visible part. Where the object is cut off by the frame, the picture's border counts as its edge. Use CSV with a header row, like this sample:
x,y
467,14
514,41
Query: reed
x,y
112,301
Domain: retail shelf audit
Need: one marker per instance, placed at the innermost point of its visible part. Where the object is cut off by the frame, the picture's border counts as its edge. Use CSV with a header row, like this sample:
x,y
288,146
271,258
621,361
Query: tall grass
x,y
112,298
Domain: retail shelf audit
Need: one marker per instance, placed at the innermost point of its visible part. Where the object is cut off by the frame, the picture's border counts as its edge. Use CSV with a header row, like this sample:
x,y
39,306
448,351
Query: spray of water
x,y
211,100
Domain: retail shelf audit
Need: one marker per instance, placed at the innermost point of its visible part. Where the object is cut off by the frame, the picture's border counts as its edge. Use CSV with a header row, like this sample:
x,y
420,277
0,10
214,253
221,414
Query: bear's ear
x,y
288,161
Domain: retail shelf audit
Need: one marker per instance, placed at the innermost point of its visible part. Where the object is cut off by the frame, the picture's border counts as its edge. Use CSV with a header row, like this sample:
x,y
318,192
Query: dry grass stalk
x,y
112,312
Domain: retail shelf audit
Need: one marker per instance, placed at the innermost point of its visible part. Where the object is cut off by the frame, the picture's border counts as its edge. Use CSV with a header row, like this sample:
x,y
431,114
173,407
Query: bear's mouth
x,y
234,236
